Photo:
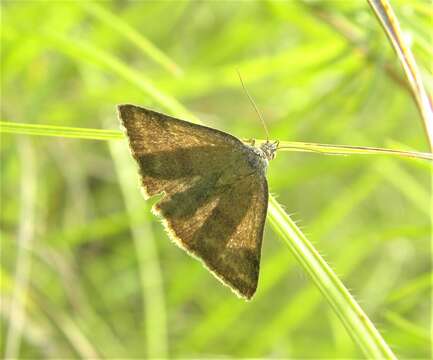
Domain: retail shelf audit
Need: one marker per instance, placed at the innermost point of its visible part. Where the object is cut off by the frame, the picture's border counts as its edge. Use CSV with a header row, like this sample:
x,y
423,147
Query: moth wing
x,y
214,204
226,232
172,132
169,151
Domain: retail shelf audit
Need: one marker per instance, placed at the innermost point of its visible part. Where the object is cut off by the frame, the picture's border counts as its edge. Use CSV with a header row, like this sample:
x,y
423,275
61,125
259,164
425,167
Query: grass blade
x,y
389,22
82,50
330,149
350,313
154,319
123,28
98,134
59,131
24,243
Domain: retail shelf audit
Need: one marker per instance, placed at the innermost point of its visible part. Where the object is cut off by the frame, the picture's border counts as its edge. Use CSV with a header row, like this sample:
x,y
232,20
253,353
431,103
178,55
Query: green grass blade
x,y
420,284
59,131
303,304
142,43
330,149
25,238
390,23
409,328
406,183
154,315
98,134
350,313
82,50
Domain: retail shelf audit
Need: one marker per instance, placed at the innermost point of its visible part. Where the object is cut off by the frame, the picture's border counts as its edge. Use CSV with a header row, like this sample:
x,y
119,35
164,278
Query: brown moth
x,y
215,193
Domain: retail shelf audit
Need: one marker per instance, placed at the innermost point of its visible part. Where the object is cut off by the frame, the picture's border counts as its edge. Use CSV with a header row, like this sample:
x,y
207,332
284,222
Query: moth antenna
x,y
254,106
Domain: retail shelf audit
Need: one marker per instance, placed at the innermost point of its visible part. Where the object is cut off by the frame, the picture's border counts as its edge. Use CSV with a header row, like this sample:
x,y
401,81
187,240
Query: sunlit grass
x,y
105,274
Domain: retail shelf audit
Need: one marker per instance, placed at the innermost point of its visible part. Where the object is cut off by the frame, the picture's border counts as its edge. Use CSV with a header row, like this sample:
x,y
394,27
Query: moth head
x,y
269,149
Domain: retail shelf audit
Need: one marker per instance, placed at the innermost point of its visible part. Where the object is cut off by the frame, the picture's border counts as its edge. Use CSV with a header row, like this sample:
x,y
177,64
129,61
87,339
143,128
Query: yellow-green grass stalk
x,y
99,134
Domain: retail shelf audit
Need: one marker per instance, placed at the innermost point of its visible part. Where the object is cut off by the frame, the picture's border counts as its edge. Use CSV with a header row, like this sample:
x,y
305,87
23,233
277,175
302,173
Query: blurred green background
x,y
98,277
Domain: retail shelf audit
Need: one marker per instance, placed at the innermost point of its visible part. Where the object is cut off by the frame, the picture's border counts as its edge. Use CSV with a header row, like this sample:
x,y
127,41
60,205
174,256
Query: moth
x,y
214,187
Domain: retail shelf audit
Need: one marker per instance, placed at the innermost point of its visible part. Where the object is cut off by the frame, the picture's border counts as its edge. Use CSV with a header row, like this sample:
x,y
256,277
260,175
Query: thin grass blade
x,y
390,23
132,35
350,313
99,134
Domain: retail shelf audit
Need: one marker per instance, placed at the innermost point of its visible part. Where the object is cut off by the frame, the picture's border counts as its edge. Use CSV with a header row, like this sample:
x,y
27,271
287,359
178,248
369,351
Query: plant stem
x,y
383,11
98,134
350,313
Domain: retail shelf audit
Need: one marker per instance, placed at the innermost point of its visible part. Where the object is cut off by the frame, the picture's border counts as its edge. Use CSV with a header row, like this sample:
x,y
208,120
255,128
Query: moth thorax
x,y
269,149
